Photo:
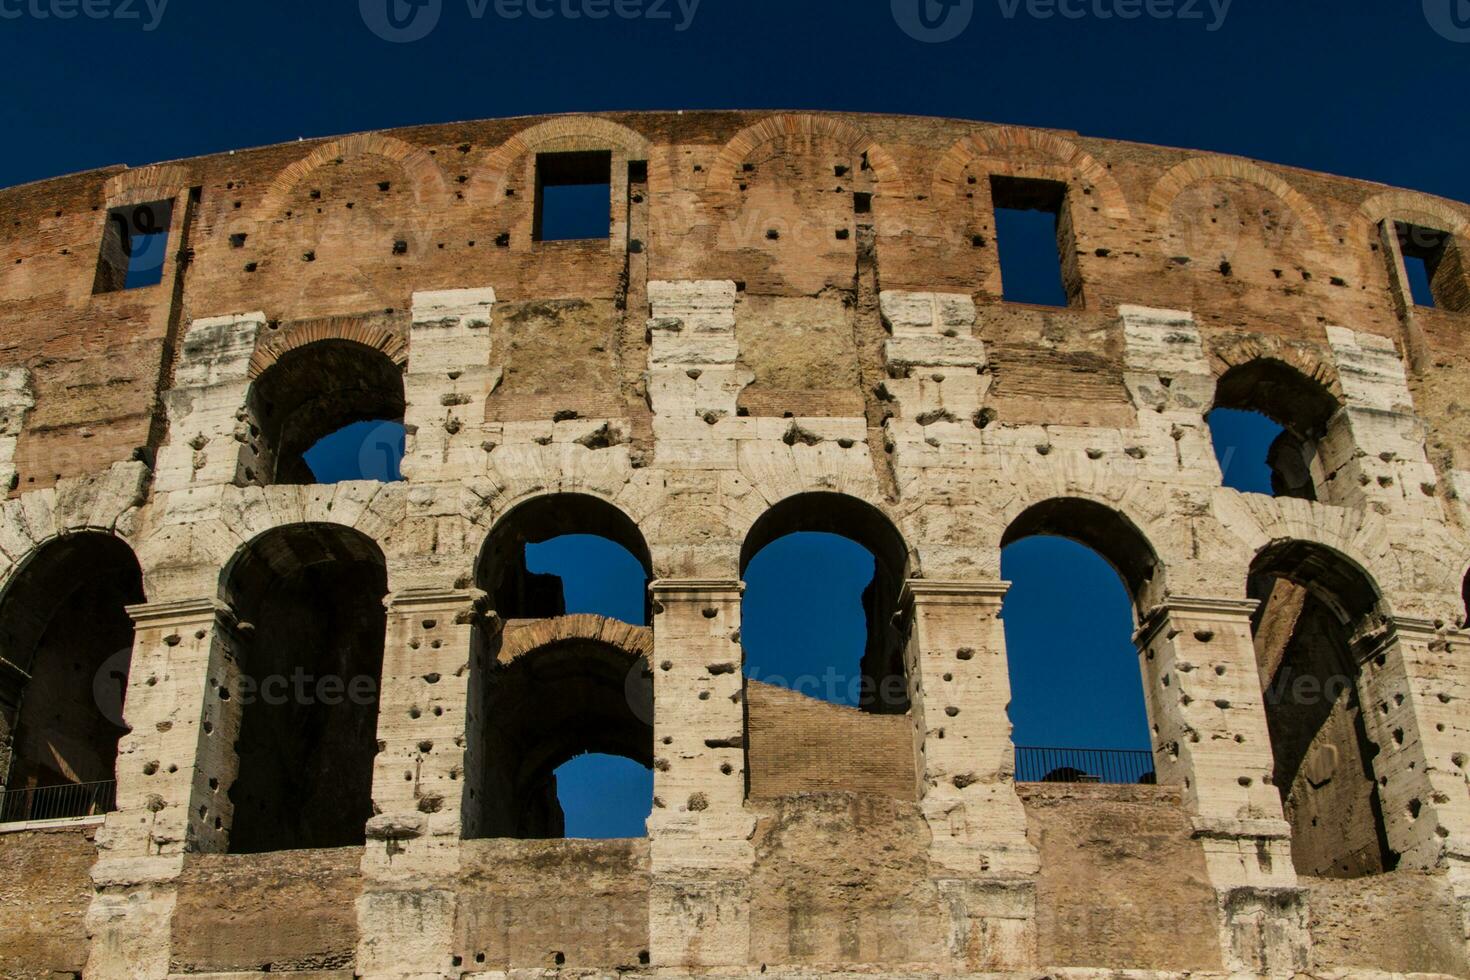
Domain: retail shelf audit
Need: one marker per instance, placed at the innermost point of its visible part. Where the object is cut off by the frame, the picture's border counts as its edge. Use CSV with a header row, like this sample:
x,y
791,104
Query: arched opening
x,y
66,641
1267,424
824,573
1318,616
561,737
551,731
307,641
1079,572
326,412
566,554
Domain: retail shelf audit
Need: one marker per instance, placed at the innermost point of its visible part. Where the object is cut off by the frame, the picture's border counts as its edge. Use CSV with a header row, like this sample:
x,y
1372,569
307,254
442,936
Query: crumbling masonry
x,y
795,322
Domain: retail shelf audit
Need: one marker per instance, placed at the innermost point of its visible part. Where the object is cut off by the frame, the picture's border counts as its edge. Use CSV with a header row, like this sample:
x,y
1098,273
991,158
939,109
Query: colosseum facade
x,y
794,322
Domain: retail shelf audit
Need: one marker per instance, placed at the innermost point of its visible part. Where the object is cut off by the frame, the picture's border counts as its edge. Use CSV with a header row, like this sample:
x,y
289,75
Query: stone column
x,y
700,832
960,689
1411,688
167,787
448,381
1208,717
406,913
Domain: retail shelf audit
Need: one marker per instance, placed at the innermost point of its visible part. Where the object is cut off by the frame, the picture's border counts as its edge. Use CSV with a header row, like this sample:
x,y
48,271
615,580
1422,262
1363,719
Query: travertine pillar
x,y
449,379
1208,717
209,436
175,765
1412,688
700,832
405,913
960,688
163,780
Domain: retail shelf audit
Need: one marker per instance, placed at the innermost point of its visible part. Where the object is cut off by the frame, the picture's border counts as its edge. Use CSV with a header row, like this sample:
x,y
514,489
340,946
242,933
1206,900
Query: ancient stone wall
x,y
795,322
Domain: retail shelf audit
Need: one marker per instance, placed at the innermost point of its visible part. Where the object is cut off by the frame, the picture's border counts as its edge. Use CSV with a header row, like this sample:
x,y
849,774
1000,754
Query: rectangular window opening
x,y
1033,238
134,247
1424,260
573,196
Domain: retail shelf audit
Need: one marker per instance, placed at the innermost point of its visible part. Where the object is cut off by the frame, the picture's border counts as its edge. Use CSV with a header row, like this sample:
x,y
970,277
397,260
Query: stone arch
x,y
319,380
1304,358
487,185
66,636
305,332
520,473
1414,208
106,504
1071,478
1360,536
770,474
1202,168
184,561
1070,164
517,593
1301,405
424,175
872,529
302,605
1321,615
541,694
1106,530
145,184
720,183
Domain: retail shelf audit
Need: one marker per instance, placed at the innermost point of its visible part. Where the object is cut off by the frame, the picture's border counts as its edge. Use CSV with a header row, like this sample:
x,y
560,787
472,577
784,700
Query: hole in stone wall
x,y
604,797
134,247
823,576
309,601
1253,456
1033,236
67,643
1266,425
326,412
1435,266
573,196
1318,613
560,735
1069,622
565,554
371,450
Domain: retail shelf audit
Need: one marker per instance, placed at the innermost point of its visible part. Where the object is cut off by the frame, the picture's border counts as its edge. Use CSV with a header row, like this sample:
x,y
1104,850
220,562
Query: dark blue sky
x,y
1364,88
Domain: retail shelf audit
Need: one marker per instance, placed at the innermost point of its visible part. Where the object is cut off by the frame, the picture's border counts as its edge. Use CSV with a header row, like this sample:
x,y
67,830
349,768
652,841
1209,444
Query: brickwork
x,y
796,321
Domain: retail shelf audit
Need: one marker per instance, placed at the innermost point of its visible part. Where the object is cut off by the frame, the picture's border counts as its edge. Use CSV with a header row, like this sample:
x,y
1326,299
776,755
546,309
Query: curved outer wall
x,y
785,303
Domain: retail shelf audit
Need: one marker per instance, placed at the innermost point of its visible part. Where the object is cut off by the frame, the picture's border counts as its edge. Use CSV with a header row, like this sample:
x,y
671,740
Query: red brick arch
x,y
144,184
417,165
306,332
721,182
1204,168
487,185
1004,143
1416,208
522,640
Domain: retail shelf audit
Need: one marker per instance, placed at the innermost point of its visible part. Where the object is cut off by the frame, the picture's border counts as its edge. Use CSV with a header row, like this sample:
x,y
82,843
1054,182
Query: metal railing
x,y
1113,766
57,802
